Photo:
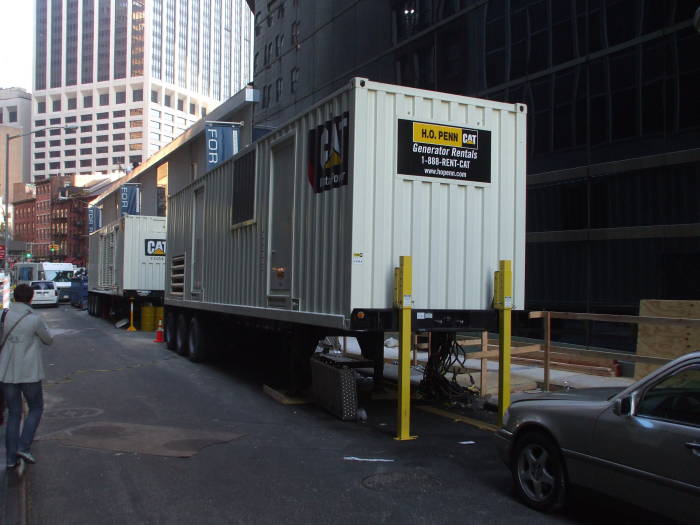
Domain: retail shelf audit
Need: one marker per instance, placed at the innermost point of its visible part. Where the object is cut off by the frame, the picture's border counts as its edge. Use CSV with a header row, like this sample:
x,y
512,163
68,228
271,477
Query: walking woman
x,y
21,372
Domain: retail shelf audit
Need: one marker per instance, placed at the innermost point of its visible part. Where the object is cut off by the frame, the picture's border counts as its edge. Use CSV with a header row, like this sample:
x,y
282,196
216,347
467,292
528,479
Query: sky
x,y
16,43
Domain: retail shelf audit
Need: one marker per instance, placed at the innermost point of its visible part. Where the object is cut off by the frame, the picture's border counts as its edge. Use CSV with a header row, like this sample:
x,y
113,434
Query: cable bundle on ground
x,y
448,359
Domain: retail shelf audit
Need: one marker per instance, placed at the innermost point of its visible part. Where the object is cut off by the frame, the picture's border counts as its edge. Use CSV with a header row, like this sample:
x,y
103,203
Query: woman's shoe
x,y
26,456
10,466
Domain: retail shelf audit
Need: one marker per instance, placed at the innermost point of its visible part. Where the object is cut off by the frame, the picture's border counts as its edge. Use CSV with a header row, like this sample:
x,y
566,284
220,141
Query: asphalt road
x,y
133,433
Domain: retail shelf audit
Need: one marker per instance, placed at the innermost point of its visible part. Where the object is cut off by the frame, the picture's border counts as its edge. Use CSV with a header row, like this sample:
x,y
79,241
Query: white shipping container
x,y
128,256
307,224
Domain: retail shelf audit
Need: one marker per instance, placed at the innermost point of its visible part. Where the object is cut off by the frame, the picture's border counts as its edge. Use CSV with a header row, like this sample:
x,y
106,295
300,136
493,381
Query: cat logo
x,y
155,247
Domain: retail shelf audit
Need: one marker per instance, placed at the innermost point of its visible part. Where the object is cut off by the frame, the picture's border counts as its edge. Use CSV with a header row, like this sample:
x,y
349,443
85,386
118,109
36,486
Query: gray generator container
x,y
307,224
127,257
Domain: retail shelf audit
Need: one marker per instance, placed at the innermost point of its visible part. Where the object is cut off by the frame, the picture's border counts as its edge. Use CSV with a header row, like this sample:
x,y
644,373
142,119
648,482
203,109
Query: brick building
x,y
51,218
24,215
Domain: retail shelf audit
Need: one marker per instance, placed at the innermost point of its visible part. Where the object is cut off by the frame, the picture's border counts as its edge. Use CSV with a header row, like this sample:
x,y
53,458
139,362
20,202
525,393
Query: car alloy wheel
x,y
538,472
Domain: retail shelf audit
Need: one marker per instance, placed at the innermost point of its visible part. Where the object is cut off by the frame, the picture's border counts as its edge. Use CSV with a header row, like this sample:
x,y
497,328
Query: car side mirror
x,y
623,407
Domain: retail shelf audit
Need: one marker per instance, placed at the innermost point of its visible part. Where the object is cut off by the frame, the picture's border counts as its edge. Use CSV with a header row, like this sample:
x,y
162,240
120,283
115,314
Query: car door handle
x,y
694,447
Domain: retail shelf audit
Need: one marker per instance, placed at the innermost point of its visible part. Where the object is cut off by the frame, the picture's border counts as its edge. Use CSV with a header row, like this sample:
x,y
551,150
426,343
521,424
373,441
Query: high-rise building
x,y
15,119
129,76
611,88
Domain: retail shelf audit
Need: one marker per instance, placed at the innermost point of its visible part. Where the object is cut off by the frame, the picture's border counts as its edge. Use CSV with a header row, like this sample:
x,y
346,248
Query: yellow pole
x,y
131,328
503,301
403,301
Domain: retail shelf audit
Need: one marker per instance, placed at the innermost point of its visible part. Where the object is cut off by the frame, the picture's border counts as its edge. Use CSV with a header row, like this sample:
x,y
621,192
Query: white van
x,y
60,273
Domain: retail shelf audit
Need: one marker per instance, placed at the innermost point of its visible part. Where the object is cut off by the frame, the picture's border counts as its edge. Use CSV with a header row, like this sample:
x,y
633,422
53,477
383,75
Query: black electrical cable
x,y
448,359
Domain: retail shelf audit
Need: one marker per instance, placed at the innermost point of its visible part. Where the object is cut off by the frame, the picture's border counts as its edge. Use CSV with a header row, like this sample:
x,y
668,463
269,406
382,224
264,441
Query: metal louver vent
x,y
177,275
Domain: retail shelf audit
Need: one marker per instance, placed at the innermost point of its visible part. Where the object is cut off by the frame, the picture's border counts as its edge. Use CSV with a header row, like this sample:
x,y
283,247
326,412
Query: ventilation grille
x,y
177,275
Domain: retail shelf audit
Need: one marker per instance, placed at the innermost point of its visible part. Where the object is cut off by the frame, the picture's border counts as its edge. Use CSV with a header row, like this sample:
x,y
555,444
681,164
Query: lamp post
x,y
8,138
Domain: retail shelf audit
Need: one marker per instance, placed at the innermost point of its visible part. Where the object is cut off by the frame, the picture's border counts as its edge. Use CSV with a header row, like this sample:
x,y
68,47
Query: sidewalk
x,y
523,378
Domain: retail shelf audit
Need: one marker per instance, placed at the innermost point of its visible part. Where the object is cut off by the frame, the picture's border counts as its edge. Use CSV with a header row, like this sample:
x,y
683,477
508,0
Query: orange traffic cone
x,y
159,333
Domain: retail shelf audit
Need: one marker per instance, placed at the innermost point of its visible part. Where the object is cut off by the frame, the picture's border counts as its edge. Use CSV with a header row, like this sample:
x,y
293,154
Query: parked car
x,y
44,293
640,444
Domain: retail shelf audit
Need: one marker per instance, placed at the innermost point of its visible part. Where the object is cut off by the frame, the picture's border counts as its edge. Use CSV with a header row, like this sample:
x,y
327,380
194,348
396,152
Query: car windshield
x,y
42,286
59,276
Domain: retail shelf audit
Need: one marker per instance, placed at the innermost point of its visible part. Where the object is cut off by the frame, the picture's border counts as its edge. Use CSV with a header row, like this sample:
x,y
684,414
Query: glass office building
x,y
613,123
130,75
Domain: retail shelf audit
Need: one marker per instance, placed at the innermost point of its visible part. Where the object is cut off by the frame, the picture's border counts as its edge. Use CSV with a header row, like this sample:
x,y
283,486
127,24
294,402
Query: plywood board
x,y
666,341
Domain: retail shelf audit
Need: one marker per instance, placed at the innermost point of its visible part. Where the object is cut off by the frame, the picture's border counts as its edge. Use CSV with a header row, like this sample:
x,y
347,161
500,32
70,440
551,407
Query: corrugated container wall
x,y
344,237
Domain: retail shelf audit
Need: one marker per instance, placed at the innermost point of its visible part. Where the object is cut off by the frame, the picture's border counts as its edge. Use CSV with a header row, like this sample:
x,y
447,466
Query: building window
x,y
101,149
39,155
294,83
119,125
166,101
69,164
135,112
102,127
56,105
118,136
54,121
192,109
39,167
180,105
86,140
85,118
137,95
102,161
102,116
69,142
54,153
71,119
70,153
87,101
104,99
84,163
119,114
279,45
56,131
136,135
278,89
86,151
54,165
37,122
296,32
118,147
86,129
72,103
55,143
40,144
136,124
41,107
135,160
135,147
120,97
102,138
117,160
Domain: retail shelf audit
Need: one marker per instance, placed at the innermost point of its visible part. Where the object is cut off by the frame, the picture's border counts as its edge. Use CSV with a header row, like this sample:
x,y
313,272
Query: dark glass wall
x,y
157,40
121,34
104,30
56,42
41,44
72,42
182,44
194,47
87,62
170,41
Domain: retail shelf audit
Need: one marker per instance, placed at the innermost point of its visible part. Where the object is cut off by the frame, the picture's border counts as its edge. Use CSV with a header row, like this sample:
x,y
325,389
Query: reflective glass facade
x,y
72,42
104,30
121,36
138,38
41,45
56,42
88,41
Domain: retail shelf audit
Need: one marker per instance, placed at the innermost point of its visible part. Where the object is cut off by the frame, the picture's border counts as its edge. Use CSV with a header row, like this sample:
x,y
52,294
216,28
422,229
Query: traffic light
x,y
28,255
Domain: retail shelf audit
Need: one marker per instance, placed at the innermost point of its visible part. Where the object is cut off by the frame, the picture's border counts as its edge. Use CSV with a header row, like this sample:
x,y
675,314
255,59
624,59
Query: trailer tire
x,y
181,339
197,341
170,330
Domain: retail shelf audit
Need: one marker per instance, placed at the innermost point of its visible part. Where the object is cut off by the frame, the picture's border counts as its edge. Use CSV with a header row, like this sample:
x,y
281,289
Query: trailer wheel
x,y
181,338
198,341
170,330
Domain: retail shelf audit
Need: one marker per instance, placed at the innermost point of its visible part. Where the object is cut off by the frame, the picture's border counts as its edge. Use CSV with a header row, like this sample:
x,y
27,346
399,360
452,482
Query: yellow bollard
x,y
403,301
503,301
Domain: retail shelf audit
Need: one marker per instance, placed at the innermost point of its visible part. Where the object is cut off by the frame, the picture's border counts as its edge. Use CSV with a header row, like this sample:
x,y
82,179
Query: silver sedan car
x,y
640,444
